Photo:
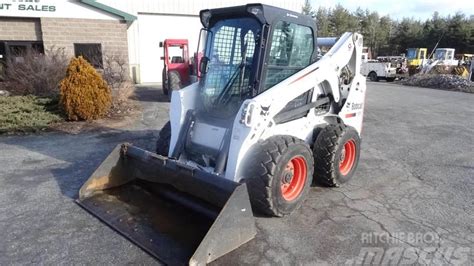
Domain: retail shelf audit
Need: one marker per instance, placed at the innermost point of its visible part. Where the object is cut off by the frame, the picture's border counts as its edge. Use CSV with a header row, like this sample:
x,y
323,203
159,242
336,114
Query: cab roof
x,y
264,13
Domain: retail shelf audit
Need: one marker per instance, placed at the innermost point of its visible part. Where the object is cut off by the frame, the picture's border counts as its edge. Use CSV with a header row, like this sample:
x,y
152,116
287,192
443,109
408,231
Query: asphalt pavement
x,y
410,202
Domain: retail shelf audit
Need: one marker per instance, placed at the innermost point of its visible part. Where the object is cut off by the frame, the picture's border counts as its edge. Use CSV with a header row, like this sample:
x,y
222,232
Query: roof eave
x,y
124,15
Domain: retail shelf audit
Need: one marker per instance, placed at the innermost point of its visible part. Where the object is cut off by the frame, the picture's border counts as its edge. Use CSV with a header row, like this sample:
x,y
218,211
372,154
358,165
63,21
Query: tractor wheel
x,y
164,81
373,76
280,173
412,70
174,83
163,142
336,154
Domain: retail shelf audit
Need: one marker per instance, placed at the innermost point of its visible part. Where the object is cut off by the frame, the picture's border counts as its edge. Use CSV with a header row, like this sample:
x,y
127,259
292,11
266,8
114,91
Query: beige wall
x,y
60,32
64,32
20,29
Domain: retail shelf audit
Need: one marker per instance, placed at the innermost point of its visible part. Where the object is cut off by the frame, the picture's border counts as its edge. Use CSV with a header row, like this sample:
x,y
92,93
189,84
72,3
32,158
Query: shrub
x,y
115,73
115,70
37,73
27,113
84,95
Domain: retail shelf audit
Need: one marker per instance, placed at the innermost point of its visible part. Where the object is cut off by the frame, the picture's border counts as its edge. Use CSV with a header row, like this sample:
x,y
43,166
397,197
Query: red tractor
x,y
178,67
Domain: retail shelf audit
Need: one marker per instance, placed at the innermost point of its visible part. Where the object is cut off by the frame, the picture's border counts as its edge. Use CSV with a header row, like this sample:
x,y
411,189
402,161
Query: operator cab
x,y
248,50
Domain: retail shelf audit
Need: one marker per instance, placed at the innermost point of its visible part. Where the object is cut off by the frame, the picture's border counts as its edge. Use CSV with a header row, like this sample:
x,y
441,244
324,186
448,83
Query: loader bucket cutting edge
x,y
175,213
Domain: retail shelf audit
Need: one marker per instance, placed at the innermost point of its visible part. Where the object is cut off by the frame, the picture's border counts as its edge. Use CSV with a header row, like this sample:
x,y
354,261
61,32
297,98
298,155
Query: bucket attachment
x,y
175,212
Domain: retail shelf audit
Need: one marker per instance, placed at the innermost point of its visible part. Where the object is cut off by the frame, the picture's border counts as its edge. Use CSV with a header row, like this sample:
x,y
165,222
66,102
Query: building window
x,y
17,51
3,58
37,48
92,52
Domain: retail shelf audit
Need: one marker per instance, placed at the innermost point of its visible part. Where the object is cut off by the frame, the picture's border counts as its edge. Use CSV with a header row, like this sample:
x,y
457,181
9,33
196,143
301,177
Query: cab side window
x,y
423,55
290,51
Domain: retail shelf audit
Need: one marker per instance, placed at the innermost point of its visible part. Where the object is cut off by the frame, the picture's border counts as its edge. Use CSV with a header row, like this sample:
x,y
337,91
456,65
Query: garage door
x,y
153,29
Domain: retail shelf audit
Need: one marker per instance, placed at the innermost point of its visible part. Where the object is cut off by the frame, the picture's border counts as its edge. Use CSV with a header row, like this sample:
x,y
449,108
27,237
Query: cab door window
x,y
290,51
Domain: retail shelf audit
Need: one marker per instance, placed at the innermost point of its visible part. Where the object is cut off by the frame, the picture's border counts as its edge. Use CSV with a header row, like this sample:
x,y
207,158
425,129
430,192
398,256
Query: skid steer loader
x,y
266,115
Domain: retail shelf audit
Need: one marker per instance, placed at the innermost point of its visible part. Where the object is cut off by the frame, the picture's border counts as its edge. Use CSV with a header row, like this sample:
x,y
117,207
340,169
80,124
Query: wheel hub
x,y
343,155
288,173
347,158
293,178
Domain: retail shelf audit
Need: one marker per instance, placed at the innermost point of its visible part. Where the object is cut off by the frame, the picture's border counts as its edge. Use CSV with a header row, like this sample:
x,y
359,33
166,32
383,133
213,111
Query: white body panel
x,y
344,52
181,102
255,119
202,131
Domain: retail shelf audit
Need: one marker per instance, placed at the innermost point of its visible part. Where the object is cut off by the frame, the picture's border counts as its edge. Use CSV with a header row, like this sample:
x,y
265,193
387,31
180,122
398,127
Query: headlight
x,y
205,17
256,10
246,117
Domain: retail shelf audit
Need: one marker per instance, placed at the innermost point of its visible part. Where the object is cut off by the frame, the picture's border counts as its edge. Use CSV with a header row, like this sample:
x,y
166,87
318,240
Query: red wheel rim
x,y
347,159
293,178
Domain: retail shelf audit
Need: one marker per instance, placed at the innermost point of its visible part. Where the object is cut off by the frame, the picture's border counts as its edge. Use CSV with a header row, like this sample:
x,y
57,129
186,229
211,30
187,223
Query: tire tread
x,y
260,185
325,148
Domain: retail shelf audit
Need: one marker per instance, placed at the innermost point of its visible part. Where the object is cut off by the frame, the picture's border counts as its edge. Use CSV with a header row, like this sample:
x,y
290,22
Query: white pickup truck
x,y
376,70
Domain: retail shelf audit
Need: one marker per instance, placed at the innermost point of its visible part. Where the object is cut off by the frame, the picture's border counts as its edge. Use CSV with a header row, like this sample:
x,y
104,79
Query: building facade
x,y
77,27
129,28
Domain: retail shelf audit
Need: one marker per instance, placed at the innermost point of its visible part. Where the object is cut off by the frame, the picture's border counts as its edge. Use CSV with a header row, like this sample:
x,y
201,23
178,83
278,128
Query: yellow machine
x,y
415,59
465,59
465,65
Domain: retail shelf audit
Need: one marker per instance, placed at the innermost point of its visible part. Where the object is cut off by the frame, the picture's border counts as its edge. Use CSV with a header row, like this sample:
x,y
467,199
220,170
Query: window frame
x,y
96,65
231,58
29,46
268,50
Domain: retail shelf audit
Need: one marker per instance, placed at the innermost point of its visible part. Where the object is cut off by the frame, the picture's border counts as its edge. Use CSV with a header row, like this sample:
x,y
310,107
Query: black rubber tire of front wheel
x,y
373,76
327,152
164,138
264,172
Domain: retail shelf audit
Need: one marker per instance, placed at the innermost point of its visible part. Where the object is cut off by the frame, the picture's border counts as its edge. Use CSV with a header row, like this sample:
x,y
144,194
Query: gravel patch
x,y
442,81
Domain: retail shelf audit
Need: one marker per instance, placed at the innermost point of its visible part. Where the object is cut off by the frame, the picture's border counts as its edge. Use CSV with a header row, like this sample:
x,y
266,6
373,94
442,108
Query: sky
x,y
398,9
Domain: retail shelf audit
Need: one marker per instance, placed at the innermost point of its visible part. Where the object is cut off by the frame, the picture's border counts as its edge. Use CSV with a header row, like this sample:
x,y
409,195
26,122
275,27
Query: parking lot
x,y
415,178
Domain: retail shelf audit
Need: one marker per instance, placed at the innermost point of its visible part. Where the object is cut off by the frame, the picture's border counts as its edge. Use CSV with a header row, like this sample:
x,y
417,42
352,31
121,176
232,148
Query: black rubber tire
x,y
390,79
174,82
164,81
327,152
412,70
264,169
164,138
373,76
